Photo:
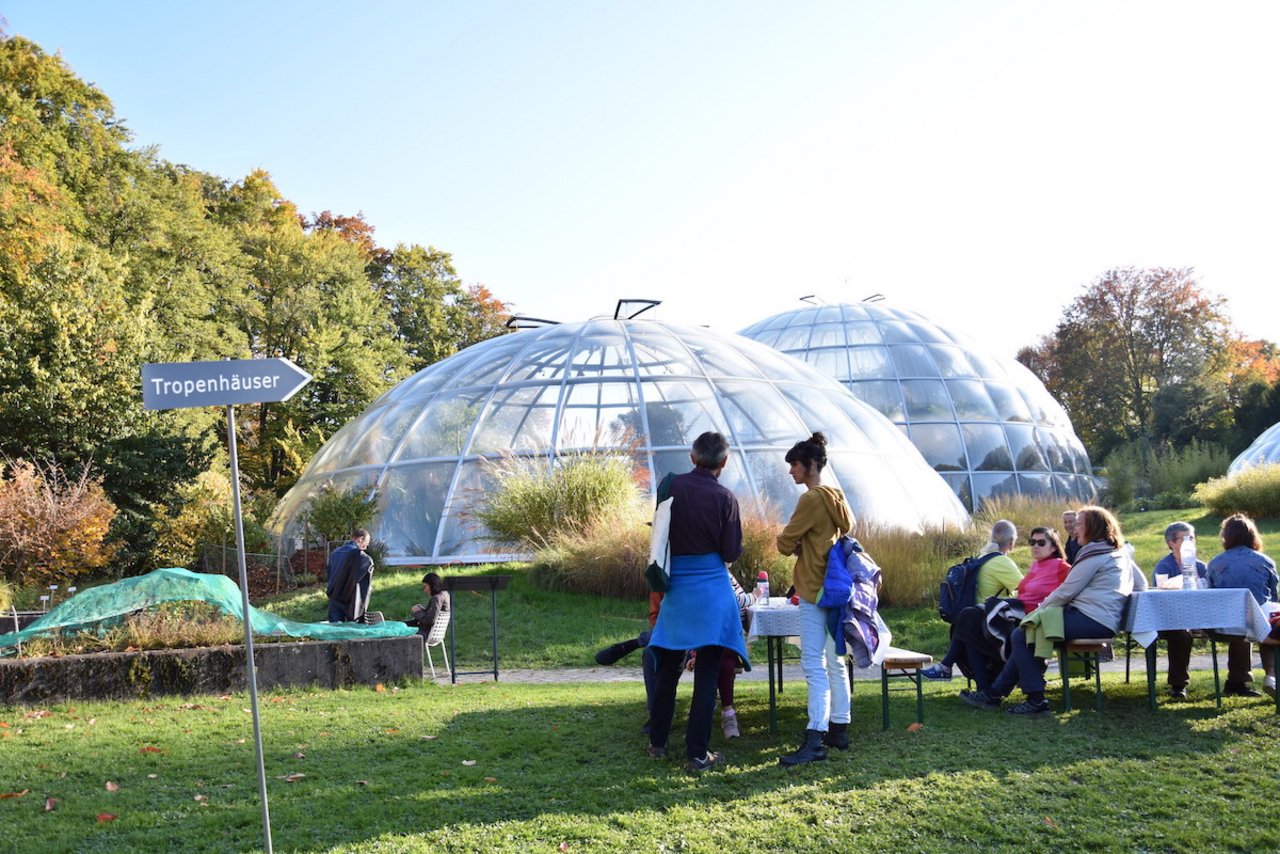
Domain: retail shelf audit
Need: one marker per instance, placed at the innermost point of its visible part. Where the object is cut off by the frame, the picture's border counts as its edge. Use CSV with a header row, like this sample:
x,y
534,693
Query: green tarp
x,y
98,604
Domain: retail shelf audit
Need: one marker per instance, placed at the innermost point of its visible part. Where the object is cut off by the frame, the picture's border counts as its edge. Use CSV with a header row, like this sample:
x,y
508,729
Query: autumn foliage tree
x,y
53,526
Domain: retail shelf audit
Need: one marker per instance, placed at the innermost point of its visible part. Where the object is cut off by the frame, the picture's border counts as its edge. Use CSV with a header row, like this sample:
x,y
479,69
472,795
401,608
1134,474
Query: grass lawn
x,y
561,768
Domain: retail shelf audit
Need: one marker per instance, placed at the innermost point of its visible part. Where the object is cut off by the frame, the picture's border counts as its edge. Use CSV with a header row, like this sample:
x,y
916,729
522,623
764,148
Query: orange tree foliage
x,y
53,528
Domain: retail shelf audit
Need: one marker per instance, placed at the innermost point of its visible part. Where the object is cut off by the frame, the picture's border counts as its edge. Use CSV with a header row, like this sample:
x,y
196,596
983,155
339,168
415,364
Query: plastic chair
x,y
435,637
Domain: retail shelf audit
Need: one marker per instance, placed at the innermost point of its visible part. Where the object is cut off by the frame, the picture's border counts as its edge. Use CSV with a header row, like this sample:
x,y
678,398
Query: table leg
x,y
773,697
1217,683
1151,676
884,696
919,697
1275,670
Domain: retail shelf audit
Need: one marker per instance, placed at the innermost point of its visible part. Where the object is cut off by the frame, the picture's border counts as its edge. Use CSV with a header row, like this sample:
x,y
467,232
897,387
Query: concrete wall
x,y
209,670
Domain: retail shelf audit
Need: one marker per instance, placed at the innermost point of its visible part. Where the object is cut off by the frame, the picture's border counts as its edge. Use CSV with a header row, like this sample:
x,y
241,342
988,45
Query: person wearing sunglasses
x,y
983,633
1178,536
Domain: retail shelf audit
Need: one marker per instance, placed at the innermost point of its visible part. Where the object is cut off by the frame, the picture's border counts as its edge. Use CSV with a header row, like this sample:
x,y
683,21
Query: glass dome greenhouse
x,y
639,388
1265,450
986,424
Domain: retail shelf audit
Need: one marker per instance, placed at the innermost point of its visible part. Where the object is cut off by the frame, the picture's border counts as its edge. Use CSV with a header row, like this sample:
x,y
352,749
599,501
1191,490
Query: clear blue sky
x,y
730,157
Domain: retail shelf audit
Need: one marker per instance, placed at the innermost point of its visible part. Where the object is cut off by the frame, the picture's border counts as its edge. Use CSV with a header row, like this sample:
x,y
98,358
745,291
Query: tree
x,y
1129,335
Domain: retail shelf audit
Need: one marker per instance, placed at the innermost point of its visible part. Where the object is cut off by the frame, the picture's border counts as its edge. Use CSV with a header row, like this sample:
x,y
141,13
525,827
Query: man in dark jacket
x,y
350,572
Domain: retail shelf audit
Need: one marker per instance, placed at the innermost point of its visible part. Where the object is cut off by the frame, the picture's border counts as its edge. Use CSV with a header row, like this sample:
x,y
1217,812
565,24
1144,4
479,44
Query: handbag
x,y
658,573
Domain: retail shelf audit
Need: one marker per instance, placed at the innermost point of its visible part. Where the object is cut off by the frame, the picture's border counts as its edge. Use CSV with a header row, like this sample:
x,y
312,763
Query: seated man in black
x,y
424,616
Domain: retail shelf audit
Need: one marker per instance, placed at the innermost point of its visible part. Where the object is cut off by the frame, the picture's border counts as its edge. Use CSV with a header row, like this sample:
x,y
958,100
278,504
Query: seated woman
x,y
980,655
424,616
1242,564
1092,599
1177,536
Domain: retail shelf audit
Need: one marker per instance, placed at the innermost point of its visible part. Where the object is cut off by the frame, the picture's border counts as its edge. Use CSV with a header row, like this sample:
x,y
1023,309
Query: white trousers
x,y
824,671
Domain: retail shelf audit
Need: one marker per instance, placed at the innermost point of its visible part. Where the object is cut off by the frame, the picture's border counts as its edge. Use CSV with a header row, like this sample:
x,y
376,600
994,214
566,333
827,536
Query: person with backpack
x,y
822,514
991,573
1088,604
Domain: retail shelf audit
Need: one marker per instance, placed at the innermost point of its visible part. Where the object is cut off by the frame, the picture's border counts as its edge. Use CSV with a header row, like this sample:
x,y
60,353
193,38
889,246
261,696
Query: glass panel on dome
x,y
871,363
517,419
1037,485
461,533
1035,403
380,439
774,485
897,332
1080,458
987,367
881,433
1008,402
734,476
410,499
794,338
687,409
720,360
1056,452
482,371
827,314
940,445
445,426
927,400
673,461
960,485
913,360
543,361
421,385
1027,455
332,454
778,321
827,335
951,361
988,486
832,363
988,450
971,401
756,414
598,414
864,332
927,332
818,412
600,356
885,397
661,355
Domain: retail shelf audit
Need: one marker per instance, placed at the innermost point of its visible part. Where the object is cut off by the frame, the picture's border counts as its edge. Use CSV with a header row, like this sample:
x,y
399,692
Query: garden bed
x,y
208,670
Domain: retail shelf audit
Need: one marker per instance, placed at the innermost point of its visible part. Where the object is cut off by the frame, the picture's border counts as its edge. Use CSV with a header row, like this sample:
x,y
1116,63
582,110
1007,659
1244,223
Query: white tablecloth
x,y
777,619
1231,611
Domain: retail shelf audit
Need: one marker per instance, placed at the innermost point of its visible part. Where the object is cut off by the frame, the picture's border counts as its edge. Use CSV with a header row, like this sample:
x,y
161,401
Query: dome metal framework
x,y
987,425
639,388
1265,450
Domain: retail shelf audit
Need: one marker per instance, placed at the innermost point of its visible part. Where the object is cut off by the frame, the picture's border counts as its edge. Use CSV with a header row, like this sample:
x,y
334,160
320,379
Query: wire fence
x,y
270,572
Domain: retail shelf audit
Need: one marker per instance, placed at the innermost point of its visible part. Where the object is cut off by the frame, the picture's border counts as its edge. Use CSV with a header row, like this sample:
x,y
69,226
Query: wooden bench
x,y
898,663
1090,651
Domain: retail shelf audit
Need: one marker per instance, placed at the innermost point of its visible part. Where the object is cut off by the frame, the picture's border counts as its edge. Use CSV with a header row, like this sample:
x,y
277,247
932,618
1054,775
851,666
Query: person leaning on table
x,y
1176,536
1092,598
1242,564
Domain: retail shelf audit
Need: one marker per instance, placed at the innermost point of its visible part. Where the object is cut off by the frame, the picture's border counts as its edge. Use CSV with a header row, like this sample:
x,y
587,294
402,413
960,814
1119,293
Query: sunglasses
x,y
1035,542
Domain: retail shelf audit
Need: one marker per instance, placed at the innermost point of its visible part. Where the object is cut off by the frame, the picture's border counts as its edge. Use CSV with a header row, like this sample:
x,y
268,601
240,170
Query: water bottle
x,y
762,582
1190,580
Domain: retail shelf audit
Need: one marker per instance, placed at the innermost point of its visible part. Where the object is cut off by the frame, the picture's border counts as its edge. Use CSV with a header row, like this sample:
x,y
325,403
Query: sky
x,y
979,162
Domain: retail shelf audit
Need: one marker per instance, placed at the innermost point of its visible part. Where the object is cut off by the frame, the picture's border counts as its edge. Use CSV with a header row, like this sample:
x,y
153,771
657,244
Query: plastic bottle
x,y
762,582
1190,581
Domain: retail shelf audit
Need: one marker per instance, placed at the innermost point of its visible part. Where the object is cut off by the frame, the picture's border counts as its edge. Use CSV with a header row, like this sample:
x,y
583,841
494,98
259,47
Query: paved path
x,y
790,673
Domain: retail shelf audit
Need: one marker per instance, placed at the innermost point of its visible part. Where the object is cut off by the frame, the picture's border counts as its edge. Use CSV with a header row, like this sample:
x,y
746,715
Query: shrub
x,y
8,596
1160,475
204,515
1255,491
530,506
53,527
335,513
1024,511
913,563
171,625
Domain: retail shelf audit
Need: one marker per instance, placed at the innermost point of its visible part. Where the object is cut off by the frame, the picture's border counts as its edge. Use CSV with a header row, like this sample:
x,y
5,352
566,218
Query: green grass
x,y
561,767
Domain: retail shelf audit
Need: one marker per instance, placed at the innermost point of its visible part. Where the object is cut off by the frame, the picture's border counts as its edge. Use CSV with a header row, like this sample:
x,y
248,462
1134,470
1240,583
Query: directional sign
x,y
177,385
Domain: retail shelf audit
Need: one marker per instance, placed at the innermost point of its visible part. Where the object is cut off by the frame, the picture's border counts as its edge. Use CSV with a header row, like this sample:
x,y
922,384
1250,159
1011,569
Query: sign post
x,y
179,385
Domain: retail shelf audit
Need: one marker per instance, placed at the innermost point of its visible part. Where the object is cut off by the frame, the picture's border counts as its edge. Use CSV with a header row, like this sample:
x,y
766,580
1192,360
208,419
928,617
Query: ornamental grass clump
x,y
1255,491
913,563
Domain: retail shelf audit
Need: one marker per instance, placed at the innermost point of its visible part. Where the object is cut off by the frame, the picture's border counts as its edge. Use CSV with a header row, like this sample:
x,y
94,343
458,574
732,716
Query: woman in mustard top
x,y
822,514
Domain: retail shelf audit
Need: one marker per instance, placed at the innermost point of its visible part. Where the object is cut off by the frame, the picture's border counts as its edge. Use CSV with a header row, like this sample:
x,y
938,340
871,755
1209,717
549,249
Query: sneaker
x,y
1239,689
937,673
1177,695
729,723
656,752
980,699
706,763
1269,686
1030,707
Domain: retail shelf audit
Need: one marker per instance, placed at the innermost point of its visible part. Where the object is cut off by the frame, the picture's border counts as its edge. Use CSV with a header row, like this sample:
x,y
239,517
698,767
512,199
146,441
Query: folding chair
x,y
435,637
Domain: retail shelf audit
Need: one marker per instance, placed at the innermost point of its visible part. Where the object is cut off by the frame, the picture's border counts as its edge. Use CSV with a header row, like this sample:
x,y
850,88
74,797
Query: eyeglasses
x,y
1035,542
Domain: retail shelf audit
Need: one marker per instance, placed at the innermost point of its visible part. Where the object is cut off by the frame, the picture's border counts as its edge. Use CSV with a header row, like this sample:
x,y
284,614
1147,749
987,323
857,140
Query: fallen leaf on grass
x,y
152,776
4,724
38,713
292,778
468,762
277,699
50,804
224,697
1050,822
14,794
149,749
68,726
104,817
299,755
202,799
113,786
491,779
564,846
362,782
915,727
380,688
429,737
392,730
241,740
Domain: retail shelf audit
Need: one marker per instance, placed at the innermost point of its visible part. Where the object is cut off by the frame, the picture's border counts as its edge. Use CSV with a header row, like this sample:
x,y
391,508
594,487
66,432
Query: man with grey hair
x,y
1180,537
1072,545
999,576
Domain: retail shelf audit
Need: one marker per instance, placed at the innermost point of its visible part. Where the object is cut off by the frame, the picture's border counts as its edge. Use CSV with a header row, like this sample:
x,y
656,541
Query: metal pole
x,y
251,672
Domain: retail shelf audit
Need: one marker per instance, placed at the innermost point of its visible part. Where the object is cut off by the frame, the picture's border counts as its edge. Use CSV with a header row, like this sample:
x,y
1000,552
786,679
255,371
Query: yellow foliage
x,y
53,528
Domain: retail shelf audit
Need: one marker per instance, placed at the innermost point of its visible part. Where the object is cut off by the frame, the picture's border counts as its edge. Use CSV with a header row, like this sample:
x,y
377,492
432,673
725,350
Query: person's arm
x,y
801,521
1077,579
731,533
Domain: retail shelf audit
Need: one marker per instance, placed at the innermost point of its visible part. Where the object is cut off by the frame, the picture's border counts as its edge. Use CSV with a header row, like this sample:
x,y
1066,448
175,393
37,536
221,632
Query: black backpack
x,y
959,589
